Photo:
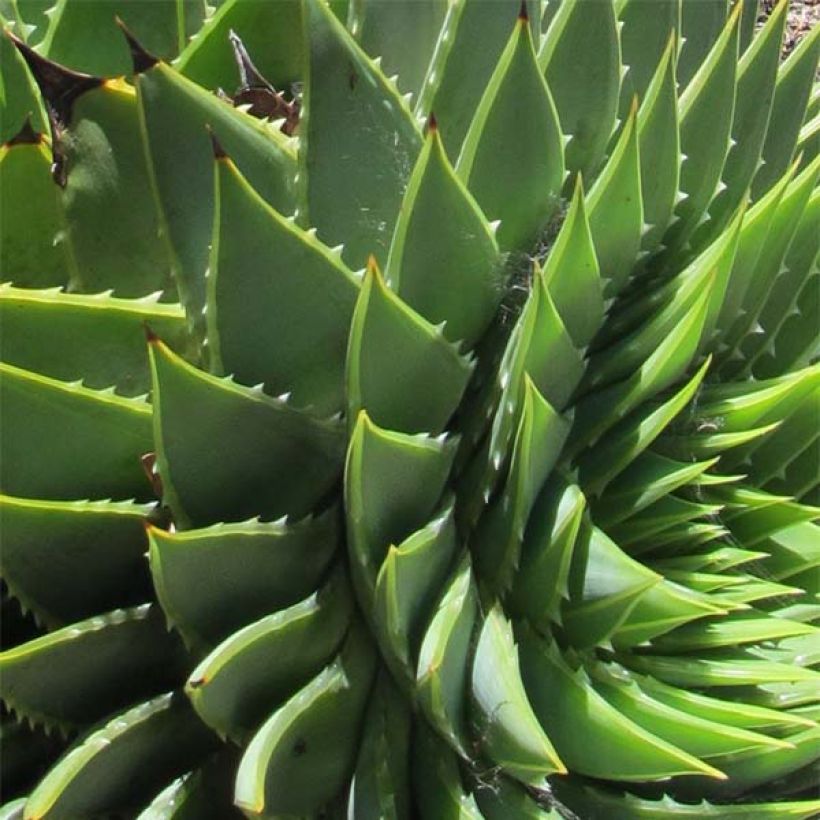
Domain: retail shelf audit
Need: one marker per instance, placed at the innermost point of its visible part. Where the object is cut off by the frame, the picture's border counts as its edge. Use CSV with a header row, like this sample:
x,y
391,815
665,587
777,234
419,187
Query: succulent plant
x,y
474,444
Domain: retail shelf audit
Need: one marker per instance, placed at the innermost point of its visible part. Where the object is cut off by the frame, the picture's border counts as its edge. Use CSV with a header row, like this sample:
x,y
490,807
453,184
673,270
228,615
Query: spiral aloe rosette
x,y
477,470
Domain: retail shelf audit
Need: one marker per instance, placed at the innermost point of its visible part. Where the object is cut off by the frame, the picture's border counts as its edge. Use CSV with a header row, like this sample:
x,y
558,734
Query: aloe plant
x,y
473,446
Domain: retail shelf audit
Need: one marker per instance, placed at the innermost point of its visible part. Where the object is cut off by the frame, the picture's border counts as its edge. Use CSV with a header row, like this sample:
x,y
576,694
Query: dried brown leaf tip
x,y
432,123
256,92
523,14
216,145
141,59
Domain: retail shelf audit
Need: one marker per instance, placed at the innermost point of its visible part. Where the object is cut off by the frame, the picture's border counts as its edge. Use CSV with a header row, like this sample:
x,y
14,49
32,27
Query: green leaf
x,y
791,97
605,585
19,99
393,483
497,543
303,754
581,59
645,44
99,340
599,411
628,439
70,560
104,156
270,32
105,663
213,581
120,765
611,746
715,671
546,554
345,86
266,277
444,260
706,110
754,95
407,587
510,733
28,196
423,392
380,785
174,114
659,134
695,735
459,72
64,441
404,33
236,686
439,792
84,34
618,806
517,181
227,452
572,274
615,205
702,24
786,310
647,479
443,672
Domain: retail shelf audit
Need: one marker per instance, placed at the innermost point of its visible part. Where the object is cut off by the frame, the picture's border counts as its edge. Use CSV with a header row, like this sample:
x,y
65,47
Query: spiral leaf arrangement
x,y
473,452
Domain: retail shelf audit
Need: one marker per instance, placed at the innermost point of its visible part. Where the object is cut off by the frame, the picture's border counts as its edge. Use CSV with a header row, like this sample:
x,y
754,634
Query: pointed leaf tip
x,y
523,14
141,59
373,265
59,85
432,123
150,336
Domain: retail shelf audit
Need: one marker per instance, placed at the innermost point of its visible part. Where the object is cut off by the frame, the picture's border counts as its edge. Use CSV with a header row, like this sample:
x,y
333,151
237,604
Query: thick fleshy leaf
x,y
303,754
572,274
407,587
791,97
701,24
615,206
118,767
236,686
271,32
423,391
546,554
227,452
215,580
706,111
70,560
444,260
611,745
581,59
404,33
510,733
266,278
99,340
64,441
517,181
345,86
28,196
380,784
174,113
645,37
85,37
605,585
393,483
443,672
459,72
439,791
497,543
105,663
659,136
19,103
754,95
